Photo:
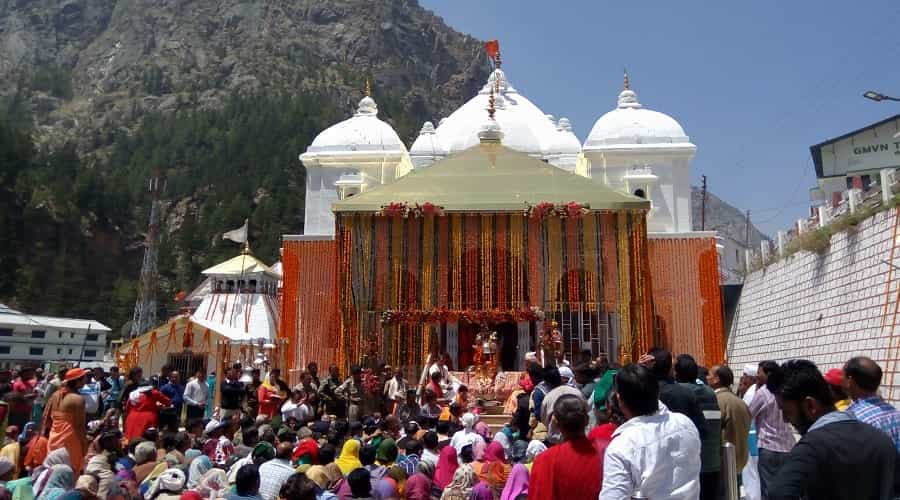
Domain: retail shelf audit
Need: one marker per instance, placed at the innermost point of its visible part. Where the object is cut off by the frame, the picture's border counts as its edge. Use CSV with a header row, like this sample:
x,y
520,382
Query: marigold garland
x,y
487,267
475,316
443,262
500,260
427,262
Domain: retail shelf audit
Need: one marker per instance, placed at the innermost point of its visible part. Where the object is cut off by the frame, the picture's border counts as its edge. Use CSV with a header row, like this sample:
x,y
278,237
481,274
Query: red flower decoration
x,y
394,209
428,209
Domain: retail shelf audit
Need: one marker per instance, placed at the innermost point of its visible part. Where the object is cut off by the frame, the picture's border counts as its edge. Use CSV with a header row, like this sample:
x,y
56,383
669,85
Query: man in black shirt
x,y
838,457
252,396
687,373
676,397
232,393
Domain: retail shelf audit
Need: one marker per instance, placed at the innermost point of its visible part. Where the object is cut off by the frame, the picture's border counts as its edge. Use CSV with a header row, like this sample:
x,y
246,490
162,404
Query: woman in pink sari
x,y
517,484
446,467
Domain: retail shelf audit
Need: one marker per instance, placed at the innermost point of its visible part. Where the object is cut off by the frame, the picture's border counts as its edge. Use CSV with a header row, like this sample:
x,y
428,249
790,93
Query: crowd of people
x,y
647,430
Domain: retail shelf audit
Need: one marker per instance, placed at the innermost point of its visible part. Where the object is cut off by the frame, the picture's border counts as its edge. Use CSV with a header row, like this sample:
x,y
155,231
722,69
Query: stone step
x,y
495,422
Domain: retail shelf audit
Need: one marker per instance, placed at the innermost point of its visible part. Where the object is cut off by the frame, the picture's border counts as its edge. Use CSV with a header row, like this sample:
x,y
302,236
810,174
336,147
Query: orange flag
x,y
492,47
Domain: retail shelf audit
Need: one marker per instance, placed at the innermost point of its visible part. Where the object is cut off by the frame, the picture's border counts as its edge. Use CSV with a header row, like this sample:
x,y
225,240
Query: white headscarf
x,y
171,480
751,369
136,394
468,420
534,449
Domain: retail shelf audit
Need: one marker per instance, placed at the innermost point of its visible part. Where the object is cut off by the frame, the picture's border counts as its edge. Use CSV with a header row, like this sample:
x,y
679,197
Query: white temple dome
x,y
566,142
427,148
363,133
631,124
525,127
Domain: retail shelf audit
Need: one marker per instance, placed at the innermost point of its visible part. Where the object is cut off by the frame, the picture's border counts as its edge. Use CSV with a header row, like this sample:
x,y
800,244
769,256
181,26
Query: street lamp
x,y
878,96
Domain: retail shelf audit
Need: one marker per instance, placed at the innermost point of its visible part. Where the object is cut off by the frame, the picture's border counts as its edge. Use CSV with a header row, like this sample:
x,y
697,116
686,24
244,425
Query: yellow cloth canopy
x,y
491,178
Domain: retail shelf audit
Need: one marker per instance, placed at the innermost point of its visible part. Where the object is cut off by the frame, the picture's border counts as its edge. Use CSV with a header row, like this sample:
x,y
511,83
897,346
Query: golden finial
x,y
368,87
497,60
627,83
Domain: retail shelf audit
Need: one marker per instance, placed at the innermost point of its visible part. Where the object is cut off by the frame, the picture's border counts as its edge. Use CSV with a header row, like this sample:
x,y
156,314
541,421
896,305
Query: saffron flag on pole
x,y
238,235
492,47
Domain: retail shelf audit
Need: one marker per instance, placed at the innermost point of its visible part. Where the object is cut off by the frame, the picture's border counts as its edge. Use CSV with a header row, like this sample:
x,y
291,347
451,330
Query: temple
x,y
231,317
503,223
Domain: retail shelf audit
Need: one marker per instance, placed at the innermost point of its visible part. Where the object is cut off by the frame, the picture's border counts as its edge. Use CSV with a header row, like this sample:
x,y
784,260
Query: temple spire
x,y
626,84
368,87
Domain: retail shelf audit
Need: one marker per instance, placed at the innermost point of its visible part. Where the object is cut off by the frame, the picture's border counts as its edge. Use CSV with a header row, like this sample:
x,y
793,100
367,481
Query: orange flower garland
x,y
443,262
589,246
535,276
457,250
412,266
573,262
472,250
427,261
500,261
516,264
554,262
487,267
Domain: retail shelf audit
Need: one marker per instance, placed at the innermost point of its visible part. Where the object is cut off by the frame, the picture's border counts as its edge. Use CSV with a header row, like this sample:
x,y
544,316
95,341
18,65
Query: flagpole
x,y
244,253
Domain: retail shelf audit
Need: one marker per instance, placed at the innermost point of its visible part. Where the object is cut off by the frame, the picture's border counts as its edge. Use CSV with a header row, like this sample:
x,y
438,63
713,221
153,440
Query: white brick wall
x,y
827,308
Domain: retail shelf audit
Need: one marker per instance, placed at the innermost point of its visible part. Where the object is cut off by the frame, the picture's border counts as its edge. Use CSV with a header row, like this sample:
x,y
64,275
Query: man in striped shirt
x,y
774,436
862,377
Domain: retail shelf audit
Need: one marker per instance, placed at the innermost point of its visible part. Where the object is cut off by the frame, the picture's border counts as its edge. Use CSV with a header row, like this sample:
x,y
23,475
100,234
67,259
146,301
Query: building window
x,y
36,351
71,335
4,349
38,334
70,351
6,332
90,353
91,337
640,193
58,351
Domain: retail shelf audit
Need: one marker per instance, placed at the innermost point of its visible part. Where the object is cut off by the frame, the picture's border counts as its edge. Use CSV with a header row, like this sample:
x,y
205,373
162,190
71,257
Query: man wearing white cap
x,y
750,473
747,384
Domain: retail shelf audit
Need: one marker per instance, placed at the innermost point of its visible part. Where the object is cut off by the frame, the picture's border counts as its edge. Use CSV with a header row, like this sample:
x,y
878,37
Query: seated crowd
x,y
652,429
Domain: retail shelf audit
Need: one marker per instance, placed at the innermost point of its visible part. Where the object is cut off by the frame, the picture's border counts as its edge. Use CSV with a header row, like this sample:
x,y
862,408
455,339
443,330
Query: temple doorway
x,y
508,337
465,345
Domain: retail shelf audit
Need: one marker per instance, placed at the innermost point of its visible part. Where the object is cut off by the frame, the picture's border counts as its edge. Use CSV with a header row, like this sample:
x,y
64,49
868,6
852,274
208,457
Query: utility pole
x,y
747,231
145,306
703,205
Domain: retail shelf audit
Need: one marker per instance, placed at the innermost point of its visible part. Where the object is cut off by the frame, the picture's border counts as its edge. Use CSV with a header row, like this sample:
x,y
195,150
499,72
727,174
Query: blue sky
x,y
754,84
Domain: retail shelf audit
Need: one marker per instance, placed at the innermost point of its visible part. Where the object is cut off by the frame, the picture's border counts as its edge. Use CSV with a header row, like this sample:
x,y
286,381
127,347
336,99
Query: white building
x,y
632,149
859,154
30,340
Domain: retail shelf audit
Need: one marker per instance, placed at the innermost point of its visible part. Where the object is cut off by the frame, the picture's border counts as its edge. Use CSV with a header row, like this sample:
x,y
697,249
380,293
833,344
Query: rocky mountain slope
x,y
728,220
97,96
85,67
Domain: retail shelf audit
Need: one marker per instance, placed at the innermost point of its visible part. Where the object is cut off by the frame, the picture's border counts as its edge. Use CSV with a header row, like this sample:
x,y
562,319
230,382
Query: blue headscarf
x,y
23,436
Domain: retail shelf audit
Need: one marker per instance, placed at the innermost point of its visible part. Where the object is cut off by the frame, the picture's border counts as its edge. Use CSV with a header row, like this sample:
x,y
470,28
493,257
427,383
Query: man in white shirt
x,y
274,473
296,408
91,394
467,435
395,390
655,452
196,394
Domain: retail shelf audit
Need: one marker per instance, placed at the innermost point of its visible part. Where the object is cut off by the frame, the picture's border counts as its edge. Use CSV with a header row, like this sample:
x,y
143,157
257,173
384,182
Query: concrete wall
x,y
827,308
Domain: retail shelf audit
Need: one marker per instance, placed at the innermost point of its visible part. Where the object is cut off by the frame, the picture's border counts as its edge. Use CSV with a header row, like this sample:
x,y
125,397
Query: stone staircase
x,y
493,416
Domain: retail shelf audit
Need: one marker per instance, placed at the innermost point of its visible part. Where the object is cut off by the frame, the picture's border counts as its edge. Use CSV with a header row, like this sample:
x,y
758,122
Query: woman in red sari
x,y
142,409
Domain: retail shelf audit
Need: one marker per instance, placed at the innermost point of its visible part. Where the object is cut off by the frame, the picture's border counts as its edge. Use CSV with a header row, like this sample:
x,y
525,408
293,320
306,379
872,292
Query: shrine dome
x,y
525,127
631,126
362,134
427,148
565,141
